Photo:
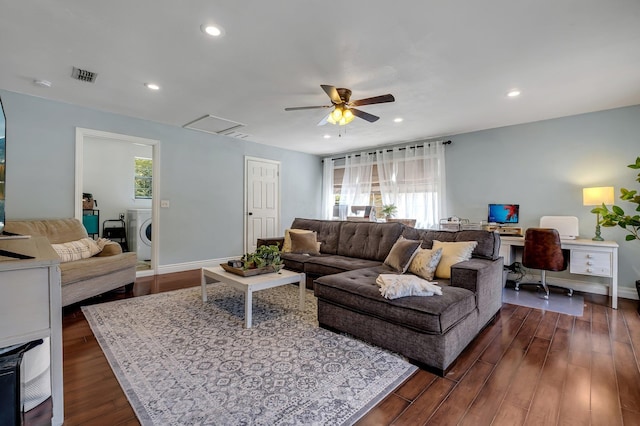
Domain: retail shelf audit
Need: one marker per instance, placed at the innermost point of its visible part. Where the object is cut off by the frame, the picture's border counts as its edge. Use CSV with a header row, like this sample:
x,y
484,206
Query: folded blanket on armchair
x,y
393,286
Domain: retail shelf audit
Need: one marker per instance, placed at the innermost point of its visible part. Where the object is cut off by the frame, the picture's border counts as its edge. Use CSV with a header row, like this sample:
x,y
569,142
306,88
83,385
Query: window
x,y
143,178
412,178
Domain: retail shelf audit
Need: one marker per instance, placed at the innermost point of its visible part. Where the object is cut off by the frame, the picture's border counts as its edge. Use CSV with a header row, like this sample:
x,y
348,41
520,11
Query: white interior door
x,y
262,200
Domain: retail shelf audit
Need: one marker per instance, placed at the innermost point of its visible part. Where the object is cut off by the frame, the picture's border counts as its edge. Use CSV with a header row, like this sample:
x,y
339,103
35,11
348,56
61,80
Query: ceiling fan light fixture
x,y
337,114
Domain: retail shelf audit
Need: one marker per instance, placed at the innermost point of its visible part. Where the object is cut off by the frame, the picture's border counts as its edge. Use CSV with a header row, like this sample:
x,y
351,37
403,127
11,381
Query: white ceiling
x,y
449,64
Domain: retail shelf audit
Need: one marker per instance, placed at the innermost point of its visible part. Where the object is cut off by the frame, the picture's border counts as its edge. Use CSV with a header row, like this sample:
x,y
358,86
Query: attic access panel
x,y
212,124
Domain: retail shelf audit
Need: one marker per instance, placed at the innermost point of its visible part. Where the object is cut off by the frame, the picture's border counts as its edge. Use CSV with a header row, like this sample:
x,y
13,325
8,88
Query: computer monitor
x,y
504,213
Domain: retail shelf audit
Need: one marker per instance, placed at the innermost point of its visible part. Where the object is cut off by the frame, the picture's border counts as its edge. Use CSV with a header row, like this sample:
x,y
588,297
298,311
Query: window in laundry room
x,y
143,178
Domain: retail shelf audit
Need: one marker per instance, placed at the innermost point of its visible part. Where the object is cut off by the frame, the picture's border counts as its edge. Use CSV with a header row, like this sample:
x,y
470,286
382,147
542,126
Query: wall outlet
x,y
164,204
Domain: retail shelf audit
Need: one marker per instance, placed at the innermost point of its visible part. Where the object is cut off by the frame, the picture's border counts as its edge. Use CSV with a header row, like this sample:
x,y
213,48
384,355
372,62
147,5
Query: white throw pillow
x,y
76,250
425,262
452,253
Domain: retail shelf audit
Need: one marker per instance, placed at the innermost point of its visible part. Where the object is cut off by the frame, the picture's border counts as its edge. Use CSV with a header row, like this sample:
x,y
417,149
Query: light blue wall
x,y
201,174
543,166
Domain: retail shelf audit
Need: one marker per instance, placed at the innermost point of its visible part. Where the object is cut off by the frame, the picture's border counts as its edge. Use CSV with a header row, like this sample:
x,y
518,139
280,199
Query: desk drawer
x,y
587,262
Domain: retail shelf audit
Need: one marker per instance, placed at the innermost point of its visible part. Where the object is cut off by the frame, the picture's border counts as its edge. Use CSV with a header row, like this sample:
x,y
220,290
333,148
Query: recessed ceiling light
x,y
152,86
513,93
212,30
327,136
398,120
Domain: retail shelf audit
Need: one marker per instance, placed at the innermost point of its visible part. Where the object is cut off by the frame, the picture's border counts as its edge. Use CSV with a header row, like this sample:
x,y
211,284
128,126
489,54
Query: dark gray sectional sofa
x,y
430,331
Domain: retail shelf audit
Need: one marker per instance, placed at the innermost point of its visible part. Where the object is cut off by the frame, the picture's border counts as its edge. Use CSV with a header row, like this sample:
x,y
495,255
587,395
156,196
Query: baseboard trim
x,y
585,286
189,266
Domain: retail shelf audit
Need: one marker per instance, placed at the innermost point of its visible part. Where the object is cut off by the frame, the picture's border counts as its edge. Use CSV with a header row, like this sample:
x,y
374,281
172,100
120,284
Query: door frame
x,y
246,192
81,134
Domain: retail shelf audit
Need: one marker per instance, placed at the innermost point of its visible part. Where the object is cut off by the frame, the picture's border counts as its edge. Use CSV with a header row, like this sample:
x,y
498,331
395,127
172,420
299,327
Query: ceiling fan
x,y
343,111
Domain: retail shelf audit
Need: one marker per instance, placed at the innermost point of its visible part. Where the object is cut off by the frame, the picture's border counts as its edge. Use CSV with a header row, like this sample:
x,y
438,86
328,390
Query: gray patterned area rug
x,y
184,362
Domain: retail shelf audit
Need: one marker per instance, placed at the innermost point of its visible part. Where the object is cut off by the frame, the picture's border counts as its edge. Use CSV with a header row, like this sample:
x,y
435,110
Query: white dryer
x,y
139,232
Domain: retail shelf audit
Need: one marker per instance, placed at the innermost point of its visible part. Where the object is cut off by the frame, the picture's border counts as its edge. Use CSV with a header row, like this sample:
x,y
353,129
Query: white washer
x,y
139,232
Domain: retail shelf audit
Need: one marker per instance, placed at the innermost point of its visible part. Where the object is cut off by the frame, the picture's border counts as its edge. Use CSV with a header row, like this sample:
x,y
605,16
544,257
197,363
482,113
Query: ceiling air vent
x,y
84,75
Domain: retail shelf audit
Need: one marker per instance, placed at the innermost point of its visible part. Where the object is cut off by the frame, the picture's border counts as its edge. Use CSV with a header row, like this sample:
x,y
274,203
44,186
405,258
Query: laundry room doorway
x,y
117,171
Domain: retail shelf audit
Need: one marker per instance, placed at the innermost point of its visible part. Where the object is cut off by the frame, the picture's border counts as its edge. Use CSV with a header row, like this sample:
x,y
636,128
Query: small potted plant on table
x,y
389,210
265,257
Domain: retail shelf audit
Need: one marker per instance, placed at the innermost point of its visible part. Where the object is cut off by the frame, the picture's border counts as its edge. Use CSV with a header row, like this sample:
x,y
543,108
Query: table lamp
x,y
596,197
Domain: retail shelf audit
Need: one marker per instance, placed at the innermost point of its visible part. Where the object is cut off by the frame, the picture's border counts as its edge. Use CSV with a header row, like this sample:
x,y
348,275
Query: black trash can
x,y
11,391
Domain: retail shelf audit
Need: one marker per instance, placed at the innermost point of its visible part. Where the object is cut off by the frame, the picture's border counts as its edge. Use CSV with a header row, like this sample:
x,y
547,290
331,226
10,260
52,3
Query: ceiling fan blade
x,y
324,120
364,115
332,92
375,100
307,107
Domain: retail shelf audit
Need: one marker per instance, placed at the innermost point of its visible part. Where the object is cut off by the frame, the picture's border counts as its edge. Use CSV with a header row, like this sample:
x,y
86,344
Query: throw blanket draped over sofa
x,y
430,331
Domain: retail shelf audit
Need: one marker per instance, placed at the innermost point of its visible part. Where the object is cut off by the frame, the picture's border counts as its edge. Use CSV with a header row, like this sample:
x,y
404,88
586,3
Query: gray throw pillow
x,y
401,254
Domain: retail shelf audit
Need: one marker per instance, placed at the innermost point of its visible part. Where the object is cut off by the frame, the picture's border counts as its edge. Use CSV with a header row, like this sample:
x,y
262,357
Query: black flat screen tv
x,y
504,213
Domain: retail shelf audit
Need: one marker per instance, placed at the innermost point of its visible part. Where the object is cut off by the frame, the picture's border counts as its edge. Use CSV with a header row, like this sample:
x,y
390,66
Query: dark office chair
x,y
542,250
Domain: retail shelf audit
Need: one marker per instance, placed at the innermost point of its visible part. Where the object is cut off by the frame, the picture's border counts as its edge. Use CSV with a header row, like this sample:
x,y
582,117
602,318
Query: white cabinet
x,y
30,304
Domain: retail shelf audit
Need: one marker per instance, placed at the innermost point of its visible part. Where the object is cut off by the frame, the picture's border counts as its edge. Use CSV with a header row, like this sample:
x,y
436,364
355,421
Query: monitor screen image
x,y
504,213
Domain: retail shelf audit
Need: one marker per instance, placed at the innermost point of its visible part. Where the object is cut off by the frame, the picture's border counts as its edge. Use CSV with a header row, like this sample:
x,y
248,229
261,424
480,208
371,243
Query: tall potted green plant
x,y
389,210
617,217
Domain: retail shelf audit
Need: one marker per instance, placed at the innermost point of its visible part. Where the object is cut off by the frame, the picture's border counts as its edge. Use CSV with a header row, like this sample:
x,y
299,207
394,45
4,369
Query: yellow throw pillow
x,y
452,253
425,262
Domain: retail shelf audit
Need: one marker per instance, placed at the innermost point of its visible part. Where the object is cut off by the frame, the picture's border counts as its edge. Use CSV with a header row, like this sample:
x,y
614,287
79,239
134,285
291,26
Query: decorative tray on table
x,y
250,272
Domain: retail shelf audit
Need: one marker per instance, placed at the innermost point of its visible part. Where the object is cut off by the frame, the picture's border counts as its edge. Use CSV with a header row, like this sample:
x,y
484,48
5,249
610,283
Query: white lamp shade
x,y
597,196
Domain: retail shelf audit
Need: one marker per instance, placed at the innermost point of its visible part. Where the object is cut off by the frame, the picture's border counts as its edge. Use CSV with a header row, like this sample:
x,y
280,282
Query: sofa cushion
x,y
295,261
452,253
368,240
57,231
84,269
357,291
328,232
488,241
323,265
401,254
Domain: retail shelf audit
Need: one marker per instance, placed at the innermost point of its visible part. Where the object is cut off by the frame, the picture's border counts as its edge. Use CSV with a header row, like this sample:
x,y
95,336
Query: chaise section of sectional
x,y
430,331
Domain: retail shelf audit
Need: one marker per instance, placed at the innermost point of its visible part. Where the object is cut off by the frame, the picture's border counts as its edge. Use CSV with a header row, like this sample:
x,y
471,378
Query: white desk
x,y
587,257
31,305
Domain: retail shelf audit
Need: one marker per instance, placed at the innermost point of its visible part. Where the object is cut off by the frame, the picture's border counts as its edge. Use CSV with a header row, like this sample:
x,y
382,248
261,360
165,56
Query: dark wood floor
x,y
527,367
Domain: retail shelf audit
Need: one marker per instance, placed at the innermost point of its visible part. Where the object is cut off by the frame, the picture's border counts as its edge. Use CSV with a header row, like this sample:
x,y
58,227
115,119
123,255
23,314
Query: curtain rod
x,y
388,150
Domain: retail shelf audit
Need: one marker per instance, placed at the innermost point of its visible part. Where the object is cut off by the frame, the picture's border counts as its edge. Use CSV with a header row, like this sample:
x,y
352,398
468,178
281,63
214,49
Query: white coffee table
x,y
248,285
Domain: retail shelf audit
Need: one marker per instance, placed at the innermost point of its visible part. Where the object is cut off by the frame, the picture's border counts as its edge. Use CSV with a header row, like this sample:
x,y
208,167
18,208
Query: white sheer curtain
x,y
328,199
356,183
413,178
